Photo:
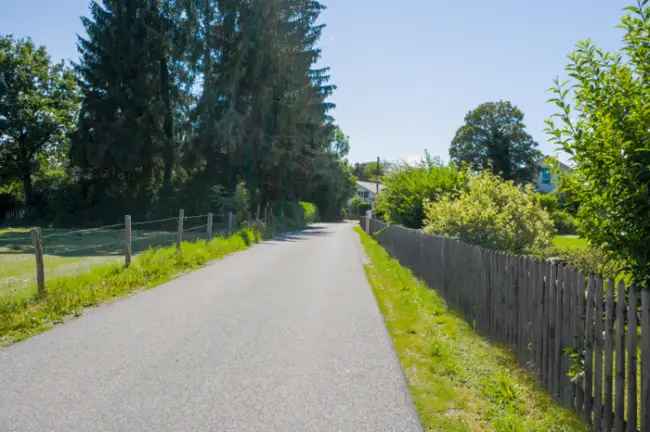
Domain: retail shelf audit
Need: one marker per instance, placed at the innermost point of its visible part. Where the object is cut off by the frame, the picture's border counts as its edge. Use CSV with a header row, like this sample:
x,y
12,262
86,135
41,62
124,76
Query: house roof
x,y
370,186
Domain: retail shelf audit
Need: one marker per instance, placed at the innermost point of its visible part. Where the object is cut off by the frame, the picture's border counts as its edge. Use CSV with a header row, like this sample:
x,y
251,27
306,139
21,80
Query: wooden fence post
x,y
210,224
179,234
230,223
128,241
38,253
631,340
619,417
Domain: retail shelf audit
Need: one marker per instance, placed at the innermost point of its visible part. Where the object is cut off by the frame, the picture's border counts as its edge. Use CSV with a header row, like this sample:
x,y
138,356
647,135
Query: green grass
x,y
458,380
570,242
23,315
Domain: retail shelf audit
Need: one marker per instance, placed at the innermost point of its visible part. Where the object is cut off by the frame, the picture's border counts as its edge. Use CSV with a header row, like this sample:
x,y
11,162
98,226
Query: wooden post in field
x,y
128,241
38,253
179,234
230,223
210,224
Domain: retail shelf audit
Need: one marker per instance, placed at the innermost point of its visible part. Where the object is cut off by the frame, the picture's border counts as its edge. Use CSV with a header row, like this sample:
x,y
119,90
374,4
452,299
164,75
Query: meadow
x,y
68,252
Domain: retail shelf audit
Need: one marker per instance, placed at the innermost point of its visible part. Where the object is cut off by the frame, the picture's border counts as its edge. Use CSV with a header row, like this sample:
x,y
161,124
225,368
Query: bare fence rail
x,y
587,339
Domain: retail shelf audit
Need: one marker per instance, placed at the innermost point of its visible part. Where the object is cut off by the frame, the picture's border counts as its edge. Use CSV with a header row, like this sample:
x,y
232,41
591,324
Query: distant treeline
x,y
173,103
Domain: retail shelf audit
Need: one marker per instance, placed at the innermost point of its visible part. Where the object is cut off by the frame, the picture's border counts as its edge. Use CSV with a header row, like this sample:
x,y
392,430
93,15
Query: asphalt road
x,y
285,336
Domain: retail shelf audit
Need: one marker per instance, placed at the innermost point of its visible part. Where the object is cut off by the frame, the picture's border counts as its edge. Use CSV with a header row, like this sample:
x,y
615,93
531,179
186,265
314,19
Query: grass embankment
x,y
458,380
66,296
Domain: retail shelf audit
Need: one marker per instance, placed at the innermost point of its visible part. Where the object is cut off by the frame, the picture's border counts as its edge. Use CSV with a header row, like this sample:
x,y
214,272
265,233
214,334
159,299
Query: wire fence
x,y
586,339
26,255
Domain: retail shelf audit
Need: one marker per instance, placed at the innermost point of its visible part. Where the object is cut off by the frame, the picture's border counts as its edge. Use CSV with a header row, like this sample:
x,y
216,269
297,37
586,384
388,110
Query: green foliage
x,y
290,215
494,137
332,186
458,380
309,212
369,171
183,100
563,221
241,202
358,207
130,72
21,318
605,131
585,257
492,213
407,188
39,102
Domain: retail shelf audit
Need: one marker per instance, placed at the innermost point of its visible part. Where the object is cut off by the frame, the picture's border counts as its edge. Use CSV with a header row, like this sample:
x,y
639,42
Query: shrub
x,y
589,260
358,207
602,119
309,212
492,213
293,214
405,190
563,220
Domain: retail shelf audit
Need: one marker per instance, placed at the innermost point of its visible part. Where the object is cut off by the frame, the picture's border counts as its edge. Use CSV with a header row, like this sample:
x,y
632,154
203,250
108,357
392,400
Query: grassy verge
x,y
458,380
67,296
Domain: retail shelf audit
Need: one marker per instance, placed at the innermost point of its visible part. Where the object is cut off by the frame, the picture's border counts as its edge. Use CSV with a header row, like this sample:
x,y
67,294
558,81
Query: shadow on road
x,y
304,234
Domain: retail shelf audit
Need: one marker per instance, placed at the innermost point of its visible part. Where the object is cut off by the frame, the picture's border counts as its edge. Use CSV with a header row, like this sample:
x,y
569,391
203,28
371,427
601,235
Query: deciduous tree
x,y
494,137
38,102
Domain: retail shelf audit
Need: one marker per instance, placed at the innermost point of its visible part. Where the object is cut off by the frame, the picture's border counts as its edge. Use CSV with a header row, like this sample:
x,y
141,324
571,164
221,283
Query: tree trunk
x,y
28,188
168,152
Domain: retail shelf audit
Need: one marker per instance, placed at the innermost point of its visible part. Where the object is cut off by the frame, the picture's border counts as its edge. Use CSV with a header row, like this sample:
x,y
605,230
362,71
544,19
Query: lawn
x,y
458,380
570,242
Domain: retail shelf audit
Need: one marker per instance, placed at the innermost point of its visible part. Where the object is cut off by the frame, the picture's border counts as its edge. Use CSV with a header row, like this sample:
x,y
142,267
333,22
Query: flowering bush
x,y
492,213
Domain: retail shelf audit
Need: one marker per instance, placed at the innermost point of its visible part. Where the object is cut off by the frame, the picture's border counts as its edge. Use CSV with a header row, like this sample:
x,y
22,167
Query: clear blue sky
x,y
409,71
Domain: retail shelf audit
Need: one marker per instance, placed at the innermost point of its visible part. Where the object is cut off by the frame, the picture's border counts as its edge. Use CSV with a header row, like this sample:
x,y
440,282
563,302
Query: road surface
x,y
285,336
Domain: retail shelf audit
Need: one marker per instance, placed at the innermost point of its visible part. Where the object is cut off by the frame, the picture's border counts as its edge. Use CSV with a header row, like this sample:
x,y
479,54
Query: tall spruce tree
x,y
126,145
262,115
210,92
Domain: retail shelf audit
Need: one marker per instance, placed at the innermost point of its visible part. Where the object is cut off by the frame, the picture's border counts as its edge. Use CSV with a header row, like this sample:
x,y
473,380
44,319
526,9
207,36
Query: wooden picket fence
x,y
586,339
